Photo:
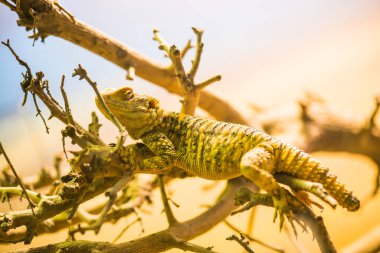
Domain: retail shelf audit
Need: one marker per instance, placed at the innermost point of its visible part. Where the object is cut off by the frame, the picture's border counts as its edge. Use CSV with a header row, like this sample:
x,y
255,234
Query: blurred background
x,y
268,52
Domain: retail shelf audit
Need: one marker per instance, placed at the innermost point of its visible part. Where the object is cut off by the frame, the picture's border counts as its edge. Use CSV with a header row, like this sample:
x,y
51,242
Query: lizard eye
x,y
153,104
128,94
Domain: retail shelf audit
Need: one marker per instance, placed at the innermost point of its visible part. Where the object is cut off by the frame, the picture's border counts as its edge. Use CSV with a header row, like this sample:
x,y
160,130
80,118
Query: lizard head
x,y
137,113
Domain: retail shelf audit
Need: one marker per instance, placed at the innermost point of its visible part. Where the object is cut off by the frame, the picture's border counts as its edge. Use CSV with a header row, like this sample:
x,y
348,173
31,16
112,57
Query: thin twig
x,y
186,84
371,122
33,196
267,245
126,228
39,112
190,92
29,84
241,242
198,53
46,86
29,81
2,151
168,211
162,45
21,62
69,116
206,83
64,11
120,54
186,48
82,73
112,194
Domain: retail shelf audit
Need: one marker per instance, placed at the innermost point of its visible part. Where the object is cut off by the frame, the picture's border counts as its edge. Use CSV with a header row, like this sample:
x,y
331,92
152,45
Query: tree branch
x,y
49,19
166,239
329,132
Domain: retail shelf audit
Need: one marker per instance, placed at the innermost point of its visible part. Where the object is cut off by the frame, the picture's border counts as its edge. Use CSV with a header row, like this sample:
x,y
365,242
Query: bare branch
x,y
186,48
168,211
2,151
206,83
112,194
241,241
162,44
168,238
332,133
371,122
21,62
137,220
39,112
82,73
250,238
48,17
15,191
35,87
198,53
70,119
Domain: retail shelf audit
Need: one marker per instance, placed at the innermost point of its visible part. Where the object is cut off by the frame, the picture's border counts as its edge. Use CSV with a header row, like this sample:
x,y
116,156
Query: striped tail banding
x,y
299,164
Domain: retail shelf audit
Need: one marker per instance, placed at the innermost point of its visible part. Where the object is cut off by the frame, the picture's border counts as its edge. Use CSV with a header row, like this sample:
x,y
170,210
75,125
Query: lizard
x,y
217,150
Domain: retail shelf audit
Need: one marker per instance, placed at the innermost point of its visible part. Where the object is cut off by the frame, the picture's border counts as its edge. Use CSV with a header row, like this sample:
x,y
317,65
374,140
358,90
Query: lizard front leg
x,y
164,150
258,165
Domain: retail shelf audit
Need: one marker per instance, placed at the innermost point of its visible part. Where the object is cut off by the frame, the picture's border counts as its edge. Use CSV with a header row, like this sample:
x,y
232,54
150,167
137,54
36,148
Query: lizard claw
x,y
304,197
282,200
282,209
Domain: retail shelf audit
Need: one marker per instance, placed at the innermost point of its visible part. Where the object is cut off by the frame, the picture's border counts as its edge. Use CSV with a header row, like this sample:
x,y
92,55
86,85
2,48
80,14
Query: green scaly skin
x,y
216,150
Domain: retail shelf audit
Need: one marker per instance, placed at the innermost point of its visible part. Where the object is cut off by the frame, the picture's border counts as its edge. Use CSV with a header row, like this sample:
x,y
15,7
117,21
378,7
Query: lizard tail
x,y
297,163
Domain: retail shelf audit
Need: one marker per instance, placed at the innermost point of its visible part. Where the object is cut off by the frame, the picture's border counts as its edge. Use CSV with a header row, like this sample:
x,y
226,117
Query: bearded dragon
x,y
216,150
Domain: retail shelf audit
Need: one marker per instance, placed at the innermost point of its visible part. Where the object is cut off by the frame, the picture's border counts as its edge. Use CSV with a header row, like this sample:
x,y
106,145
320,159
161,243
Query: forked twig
x,y
190,91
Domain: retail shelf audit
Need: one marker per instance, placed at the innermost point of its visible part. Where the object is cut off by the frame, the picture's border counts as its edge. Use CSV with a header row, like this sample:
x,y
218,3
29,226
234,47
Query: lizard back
x,y
213,150
208,148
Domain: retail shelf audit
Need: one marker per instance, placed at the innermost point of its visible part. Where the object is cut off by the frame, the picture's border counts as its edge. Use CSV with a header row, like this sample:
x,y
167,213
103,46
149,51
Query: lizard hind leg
x,y
258,165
